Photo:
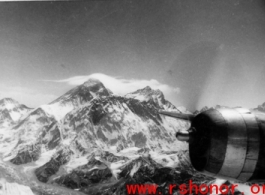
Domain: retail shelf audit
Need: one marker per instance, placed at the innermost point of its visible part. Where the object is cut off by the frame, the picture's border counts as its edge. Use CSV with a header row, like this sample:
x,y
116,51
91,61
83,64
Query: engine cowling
x,y
227,143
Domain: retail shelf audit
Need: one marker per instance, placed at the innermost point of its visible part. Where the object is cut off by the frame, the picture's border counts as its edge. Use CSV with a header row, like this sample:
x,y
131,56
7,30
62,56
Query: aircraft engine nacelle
x,y
226,143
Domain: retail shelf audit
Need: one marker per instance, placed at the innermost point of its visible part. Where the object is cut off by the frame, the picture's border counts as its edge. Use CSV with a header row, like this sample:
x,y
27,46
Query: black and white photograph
x,y
132,97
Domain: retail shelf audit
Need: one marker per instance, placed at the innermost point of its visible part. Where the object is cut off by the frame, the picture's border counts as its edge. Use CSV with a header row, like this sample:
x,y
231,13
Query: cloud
x,y
121,86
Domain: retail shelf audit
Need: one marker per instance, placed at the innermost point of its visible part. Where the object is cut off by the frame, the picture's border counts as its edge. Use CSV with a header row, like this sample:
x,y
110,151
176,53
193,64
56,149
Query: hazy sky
x,y
200,52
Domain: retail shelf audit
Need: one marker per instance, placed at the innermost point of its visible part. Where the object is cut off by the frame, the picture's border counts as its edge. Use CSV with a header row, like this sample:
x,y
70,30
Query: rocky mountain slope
x,y
89,135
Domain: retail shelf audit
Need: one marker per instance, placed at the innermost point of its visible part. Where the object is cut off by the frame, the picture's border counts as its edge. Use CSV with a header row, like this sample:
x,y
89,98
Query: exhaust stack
x,y
188,117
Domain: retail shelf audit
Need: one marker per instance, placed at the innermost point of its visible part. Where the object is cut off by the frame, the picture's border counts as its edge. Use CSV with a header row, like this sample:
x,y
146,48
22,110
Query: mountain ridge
x,y
100,112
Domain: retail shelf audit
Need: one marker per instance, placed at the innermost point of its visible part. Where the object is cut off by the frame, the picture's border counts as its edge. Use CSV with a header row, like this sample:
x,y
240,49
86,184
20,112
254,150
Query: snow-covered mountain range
x,y
94,142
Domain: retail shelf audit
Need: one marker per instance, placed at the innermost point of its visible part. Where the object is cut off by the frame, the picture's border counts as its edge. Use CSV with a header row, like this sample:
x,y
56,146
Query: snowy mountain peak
x,y
92,82
149,95
7,100
8,103
89,90
147,88
95,87
76,97
148,91
11,110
